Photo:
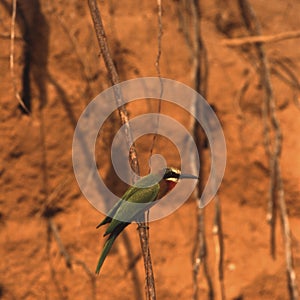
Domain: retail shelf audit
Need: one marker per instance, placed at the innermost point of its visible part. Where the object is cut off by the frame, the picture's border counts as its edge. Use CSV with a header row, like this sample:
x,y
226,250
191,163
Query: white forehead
x,y
172,179
175,170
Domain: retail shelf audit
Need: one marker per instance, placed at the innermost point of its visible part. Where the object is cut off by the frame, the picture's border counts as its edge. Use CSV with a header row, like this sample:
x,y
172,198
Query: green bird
x,y
145,191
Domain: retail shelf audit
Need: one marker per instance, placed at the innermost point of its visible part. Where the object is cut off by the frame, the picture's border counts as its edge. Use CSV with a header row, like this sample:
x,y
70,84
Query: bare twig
x,y
150,286
219,245
89,273
114,77
54,195
100,33
254,28
62,249
159,37
11,56
183,17
242,91
287,68
133,258
274,153
200,76
196,47
52,228
70,260
157,65
200,250
261,39
286,232
288,76
200,256
200,61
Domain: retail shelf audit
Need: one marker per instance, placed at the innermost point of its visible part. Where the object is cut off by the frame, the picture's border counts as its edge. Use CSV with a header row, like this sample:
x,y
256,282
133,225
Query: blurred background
x,y
53,68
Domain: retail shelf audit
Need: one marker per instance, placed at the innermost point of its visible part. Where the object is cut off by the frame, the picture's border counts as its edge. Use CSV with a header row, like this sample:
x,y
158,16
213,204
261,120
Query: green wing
x,y
148,181
127,211
113,210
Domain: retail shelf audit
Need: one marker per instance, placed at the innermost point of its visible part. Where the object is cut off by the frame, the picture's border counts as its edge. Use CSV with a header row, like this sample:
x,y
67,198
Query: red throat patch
x,y
171,184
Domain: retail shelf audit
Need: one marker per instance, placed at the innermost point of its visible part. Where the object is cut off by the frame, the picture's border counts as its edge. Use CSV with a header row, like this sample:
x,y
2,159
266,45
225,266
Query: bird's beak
x,y
188,176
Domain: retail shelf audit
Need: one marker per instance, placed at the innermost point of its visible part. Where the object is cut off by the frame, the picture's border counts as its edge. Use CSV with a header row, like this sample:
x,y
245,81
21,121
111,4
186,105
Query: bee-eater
x,y
145,191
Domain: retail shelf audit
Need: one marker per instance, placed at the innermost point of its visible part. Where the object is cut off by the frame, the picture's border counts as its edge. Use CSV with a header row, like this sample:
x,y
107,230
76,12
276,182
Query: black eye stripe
x,y
171,174
175,175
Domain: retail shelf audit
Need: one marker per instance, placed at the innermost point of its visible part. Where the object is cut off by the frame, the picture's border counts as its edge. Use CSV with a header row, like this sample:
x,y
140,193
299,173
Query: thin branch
x,y
89,273
287,67
200,257
11,56
292,79
114,78
54,195
200,75
219,245
242,91
132,267
274,153
70,260
183,12
261,39
197,47
254,28
159,37
143,229
157,65
289,77
286,232
62,249
200,61
144,237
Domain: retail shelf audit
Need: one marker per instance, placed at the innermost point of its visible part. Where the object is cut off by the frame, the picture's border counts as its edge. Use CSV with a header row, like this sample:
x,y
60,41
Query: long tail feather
x,y
105,251
105,221
108,245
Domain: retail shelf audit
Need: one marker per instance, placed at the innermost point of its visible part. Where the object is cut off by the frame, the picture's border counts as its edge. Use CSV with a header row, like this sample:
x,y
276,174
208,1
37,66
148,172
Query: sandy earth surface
x,y
36,174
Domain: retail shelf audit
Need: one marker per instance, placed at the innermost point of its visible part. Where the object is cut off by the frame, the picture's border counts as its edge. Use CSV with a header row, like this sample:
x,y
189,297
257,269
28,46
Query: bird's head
x,y
173,175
